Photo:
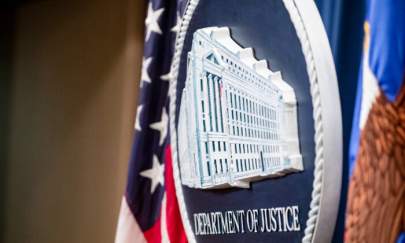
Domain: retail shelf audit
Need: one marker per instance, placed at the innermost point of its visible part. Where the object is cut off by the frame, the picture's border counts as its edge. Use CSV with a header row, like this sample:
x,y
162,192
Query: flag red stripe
x,y
153,235
174,223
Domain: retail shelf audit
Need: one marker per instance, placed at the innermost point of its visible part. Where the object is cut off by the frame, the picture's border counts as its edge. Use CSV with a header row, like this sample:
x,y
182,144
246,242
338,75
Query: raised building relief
x,y
238,119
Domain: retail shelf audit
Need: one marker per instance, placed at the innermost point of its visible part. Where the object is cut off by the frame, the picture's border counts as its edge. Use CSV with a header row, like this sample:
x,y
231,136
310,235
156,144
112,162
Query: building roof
x,y
222,36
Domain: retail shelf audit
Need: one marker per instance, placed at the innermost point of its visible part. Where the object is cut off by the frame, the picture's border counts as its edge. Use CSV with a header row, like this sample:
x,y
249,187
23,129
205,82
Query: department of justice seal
x,y
255,122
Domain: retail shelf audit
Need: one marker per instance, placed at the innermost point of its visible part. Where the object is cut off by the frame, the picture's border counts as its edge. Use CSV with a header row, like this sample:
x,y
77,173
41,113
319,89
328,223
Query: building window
x,y
224,146
220,106
213,146
201,85
208,168
202,106
219,146
206,147
222,168
209,101
231,100
216,166
215,102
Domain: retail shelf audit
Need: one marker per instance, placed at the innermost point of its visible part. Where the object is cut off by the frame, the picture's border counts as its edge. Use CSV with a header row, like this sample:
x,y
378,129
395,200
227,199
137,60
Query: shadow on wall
x,y
6,47
67,112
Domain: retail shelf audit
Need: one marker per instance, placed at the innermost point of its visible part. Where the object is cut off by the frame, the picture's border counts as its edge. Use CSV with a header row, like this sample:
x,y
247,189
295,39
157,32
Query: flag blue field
x,y
383,62
376,199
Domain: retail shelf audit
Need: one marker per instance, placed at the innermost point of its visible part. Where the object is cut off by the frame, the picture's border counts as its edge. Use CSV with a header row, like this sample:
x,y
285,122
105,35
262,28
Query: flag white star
x,y
166,77
137,125
176,28
145,66
155,174
161,126
151,21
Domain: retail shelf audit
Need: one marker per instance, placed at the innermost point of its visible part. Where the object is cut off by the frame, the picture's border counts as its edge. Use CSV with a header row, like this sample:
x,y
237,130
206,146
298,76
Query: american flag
x,y
149,210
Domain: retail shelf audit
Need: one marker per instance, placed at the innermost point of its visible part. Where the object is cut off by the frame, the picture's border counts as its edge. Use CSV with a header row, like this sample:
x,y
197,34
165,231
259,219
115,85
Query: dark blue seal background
x,y
265,26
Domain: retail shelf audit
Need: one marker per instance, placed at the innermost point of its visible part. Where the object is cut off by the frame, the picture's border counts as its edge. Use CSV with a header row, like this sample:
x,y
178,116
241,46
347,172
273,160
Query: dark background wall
x,y
343,20
69,75
6,44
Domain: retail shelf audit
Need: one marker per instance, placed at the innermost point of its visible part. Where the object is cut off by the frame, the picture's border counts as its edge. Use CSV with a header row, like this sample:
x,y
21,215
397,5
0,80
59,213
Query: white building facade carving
x,y
238,119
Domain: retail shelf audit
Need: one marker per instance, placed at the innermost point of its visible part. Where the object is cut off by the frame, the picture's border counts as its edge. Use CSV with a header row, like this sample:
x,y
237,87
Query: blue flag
x,y
375,208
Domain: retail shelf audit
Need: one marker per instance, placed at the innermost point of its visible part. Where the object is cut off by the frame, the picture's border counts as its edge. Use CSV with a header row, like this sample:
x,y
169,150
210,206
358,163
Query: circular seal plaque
x,y
255,122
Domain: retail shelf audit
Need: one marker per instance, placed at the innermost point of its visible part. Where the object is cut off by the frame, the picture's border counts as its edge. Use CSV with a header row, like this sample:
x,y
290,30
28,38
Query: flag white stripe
x,y
163,222
369,92
128,230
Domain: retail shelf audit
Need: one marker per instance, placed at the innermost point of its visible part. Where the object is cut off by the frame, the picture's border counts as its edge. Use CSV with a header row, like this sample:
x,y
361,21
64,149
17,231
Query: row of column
x,y
213,98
